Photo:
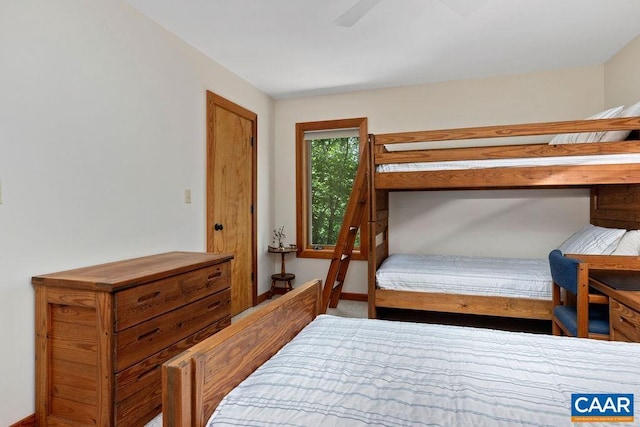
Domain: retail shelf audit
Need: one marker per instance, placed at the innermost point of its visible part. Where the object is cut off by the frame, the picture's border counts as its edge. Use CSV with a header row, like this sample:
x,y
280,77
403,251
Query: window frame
x,y
305,250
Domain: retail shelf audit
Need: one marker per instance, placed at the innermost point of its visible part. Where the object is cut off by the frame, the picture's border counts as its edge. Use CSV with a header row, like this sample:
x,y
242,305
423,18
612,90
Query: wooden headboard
x,y
616,206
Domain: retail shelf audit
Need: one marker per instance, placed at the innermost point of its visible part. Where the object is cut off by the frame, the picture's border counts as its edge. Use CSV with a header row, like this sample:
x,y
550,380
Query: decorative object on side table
x,y
279,236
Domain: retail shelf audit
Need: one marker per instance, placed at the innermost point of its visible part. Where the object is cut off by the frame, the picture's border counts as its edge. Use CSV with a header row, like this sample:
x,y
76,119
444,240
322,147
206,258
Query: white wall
x,y
501,223
102,128
622,76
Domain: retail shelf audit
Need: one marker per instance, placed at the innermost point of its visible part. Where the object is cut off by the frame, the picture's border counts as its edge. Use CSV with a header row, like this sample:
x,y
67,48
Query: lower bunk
x,y
283,366
505,287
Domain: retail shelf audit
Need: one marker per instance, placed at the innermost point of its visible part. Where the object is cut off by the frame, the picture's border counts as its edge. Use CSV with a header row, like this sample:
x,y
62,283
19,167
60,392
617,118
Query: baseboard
x,y
29,421
262,298
344,295
354,297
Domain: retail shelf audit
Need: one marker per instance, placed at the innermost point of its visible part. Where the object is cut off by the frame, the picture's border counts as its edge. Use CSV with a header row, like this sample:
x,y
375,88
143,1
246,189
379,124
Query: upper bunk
x,y
417,166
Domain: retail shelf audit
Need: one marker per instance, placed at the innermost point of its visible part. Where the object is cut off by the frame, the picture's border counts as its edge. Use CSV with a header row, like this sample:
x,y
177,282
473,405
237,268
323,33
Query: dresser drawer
x,y
624,321
147,372
139,388
140,341
138,409
135,305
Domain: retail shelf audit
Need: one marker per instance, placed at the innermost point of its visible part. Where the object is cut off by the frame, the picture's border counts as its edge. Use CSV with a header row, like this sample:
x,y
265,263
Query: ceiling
x,y
292,48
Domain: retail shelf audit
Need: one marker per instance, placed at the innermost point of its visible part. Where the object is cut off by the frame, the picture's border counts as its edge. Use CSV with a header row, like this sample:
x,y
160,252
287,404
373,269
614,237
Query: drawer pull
x,y
147,297
148,334
626,321
214,275
148,372
214,305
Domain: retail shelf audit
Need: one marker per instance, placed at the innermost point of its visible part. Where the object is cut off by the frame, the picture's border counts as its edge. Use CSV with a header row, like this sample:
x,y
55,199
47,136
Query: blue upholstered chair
x,y
576,312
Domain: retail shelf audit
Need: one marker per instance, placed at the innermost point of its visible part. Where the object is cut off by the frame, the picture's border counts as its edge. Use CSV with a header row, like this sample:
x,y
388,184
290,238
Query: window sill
x,y
327,253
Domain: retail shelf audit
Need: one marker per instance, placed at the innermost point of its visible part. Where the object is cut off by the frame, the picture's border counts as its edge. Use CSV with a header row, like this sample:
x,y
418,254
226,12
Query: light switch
x,y
187,196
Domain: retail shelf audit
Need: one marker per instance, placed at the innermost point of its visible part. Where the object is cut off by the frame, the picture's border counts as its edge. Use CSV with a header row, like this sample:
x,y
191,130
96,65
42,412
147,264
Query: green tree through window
x,y
333,162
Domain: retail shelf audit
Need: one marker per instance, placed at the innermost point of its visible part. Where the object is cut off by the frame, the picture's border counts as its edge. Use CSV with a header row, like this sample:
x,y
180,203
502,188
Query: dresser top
x,y
115,276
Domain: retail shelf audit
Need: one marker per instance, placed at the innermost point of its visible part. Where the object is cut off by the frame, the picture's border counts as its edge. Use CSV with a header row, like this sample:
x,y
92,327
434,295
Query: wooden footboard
x,y
194,382
522,308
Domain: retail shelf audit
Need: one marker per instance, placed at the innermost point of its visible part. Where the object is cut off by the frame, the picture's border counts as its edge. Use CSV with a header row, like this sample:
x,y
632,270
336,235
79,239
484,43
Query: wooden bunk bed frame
x,y
194,382
615,196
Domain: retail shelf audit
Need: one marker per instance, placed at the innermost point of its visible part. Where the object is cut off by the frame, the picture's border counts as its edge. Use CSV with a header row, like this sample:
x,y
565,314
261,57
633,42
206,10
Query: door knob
x,y
218,227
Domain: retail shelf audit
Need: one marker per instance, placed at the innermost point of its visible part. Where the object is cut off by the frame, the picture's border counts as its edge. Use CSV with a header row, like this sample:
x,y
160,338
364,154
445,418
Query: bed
x,y
283,366
511,165
527,280
611,170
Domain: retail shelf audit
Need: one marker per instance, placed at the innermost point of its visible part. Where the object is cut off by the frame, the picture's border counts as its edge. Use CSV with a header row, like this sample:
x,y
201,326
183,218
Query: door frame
x,y
214,100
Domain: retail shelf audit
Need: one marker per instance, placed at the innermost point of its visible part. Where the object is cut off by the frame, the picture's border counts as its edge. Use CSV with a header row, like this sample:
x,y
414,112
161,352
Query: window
x,y
327,155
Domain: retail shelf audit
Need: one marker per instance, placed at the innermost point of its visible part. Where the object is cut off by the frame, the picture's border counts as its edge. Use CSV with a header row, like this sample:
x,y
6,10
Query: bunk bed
x,y
611,170
340,371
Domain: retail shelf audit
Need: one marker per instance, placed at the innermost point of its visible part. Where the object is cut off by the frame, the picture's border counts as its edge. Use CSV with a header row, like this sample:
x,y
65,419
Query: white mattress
x,y
494,163
508,277
363,372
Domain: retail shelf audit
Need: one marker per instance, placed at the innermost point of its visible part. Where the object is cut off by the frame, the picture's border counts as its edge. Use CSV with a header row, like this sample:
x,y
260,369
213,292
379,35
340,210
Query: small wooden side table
x,y
283,276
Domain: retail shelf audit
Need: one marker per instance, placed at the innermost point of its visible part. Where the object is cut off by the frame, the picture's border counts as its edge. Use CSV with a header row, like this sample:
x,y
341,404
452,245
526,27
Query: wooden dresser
x,y
103,332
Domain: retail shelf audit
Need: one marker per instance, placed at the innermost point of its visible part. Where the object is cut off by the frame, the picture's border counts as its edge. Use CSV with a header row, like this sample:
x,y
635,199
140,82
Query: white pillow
x,y
574,138
629,244
620,135
592,240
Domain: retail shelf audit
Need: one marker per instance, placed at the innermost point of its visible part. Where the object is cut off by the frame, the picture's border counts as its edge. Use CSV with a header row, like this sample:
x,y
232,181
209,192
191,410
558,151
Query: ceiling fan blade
x,y
464,7
355,12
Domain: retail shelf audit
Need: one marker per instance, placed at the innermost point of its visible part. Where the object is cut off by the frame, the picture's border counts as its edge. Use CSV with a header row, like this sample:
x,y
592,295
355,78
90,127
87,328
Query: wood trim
x,y
302,184
262,298
344,295
29,421
214,99
327,253
195,381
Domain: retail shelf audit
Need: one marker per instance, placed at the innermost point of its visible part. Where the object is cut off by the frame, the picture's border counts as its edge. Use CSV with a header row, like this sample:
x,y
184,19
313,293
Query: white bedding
x,y
363,372
508,277
494,163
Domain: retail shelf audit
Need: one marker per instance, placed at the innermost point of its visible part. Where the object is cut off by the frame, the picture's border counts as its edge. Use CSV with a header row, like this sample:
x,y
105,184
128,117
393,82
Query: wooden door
x,y
231,195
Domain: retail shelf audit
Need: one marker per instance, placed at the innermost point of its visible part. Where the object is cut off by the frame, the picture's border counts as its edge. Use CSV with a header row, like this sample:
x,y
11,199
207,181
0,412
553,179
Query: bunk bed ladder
x,y
346,238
